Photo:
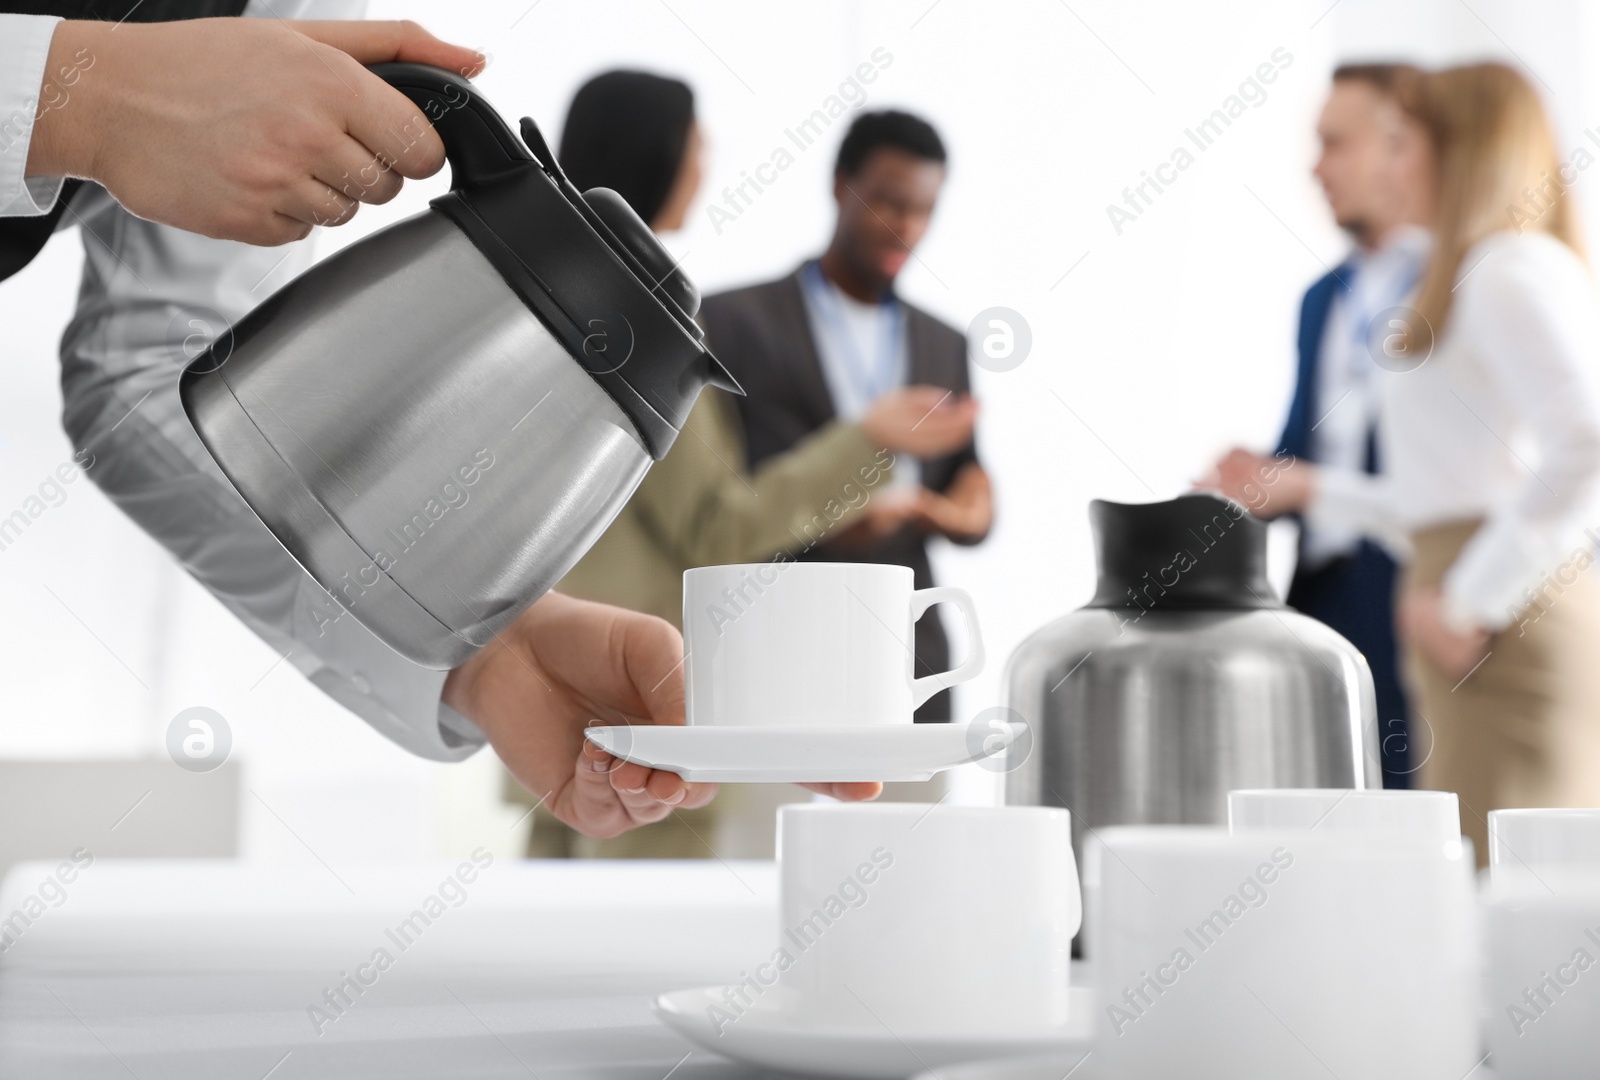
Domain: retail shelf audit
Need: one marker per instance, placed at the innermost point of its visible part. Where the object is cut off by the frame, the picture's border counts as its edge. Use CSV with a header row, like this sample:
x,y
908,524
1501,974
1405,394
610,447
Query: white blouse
x,y
1501,422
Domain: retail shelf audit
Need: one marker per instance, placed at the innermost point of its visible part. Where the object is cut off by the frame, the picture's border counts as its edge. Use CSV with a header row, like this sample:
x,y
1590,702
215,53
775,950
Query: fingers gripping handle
x,y
477,141
928,685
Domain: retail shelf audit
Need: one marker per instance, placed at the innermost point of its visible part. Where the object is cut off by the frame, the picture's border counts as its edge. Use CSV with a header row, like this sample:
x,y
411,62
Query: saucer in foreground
x,y
769,1039
1075,1064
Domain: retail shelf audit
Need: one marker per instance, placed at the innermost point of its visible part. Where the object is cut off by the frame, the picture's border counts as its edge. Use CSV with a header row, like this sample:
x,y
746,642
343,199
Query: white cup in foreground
x,y
926,918
1433,817
811,644
1543,918
1427,815
1544,843
1268,955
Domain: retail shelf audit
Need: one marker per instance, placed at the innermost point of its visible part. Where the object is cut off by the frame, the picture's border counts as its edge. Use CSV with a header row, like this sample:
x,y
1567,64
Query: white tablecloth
x,y
170,970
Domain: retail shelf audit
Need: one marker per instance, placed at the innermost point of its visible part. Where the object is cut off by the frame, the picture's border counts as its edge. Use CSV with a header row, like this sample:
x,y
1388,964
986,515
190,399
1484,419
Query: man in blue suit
x,y
1343,578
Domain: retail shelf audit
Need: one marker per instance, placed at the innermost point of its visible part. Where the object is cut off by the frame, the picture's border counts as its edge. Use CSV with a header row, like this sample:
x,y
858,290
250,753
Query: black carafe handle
x,y
479,144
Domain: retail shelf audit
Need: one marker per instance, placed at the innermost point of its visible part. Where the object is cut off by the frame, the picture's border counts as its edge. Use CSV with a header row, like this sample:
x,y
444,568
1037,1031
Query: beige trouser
x,y
1524,728
740,823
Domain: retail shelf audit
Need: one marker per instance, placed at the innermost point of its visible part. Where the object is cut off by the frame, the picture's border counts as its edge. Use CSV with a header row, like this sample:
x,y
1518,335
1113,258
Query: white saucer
x,y
772,755
1077,1064
768,1038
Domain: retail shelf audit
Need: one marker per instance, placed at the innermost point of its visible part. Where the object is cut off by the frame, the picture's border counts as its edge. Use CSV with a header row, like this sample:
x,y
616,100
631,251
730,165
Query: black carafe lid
x,y
1195,551
584,263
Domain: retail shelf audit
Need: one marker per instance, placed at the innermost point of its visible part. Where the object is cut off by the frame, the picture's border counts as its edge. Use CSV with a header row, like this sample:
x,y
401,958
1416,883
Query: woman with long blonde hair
x,y
1490,424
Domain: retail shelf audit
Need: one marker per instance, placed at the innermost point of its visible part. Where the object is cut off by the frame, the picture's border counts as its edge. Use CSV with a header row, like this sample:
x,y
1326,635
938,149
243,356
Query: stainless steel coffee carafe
x,y
440,419
1185,677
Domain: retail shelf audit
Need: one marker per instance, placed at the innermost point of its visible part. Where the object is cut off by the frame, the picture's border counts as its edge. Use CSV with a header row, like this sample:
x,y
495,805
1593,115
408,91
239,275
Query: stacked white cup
x,y
1323,933
1543,987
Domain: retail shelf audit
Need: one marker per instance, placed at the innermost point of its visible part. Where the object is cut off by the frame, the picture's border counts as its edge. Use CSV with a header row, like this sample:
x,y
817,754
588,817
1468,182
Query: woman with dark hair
x,y
636,133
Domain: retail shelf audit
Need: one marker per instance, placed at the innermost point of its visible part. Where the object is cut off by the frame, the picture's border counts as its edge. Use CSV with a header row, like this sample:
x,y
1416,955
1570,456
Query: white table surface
x,y
172,970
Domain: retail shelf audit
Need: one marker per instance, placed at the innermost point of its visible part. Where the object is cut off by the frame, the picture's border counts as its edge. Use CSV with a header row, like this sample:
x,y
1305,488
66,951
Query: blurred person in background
x,y
1498,612
826,341
1369,135
637,134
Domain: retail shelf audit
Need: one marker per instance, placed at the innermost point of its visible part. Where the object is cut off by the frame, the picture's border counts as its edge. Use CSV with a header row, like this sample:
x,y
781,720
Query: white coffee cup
x,y
1544,844
1432,817
1543,916
1279,955
811,644
926,918
1427,815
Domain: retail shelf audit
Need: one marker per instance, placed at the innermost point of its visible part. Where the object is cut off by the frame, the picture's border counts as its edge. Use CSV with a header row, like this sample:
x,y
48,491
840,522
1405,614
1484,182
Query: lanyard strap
x,y
1361,321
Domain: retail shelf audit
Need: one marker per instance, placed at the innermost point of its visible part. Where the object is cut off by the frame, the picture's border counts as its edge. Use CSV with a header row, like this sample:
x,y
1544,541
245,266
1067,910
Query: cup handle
x,y
928,685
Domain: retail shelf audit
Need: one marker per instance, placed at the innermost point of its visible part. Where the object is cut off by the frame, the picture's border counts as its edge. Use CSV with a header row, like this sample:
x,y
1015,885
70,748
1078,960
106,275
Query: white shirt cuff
x,y
1498,573
24,51
1345,498
400,699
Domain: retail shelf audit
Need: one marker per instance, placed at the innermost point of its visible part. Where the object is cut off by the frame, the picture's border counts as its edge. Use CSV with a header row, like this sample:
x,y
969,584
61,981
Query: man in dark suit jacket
x,y
831,336
1348,580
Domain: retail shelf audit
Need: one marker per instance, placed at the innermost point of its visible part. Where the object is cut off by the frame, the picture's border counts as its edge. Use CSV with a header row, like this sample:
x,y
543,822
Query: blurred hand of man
x,y
562,665
923,421
240,129
1266,486
963,512
886,513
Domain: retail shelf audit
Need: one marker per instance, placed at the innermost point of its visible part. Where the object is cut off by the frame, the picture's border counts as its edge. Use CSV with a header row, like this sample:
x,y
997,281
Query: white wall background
x,y
1152,350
